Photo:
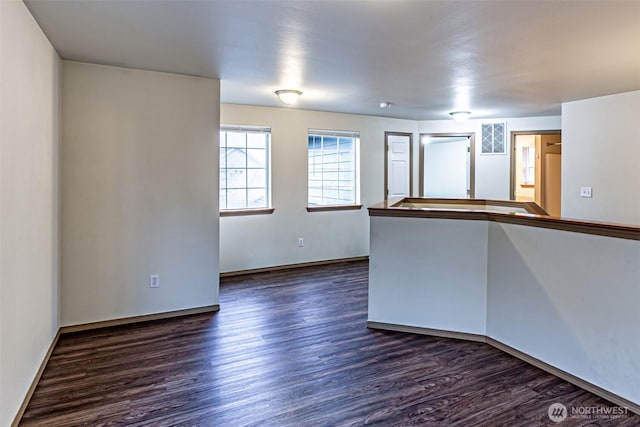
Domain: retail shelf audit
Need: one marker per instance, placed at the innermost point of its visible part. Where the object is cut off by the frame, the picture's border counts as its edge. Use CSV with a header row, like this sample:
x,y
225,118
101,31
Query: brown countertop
x,y
525,213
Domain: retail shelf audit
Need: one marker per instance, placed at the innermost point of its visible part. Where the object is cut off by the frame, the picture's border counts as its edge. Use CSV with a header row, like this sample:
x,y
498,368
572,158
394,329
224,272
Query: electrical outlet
x,y
300,242
154,281
585,192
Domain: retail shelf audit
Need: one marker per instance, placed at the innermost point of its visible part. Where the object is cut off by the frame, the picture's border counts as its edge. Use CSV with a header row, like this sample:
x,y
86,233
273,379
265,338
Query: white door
x,y
446,167
398,166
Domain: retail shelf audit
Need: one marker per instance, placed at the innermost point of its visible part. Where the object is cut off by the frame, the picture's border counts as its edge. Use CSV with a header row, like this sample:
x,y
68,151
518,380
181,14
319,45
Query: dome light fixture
x,y
288,96
460,116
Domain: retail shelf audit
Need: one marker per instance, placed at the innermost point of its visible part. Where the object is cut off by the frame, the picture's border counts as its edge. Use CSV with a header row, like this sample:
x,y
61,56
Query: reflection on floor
x,y
290,348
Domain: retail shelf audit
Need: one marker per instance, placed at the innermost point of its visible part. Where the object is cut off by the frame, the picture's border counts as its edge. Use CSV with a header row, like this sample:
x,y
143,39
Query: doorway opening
x,y
447,165
536,168
398,164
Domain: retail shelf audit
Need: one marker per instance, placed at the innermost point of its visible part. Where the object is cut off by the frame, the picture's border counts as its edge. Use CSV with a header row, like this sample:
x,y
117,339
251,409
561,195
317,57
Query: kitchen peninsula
x,y
561,294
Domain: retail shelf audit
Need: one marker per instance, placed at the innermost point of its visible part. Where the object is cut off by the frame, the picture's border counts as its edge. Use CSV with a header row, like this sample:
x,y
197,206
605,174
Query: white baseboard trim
x,y
586,385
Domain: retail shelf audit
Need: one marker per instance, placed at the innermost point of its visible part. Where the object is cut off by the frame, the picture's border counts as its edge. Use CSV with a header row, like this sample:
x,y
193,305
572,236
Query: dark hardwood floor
x,y
291,348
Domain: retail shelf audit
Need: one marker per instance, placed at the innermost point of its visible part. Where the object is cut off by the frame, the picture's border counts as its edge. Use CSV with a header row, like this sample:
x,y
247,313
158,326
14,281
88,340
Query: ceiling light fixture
x,y
385,104
288,96
460,116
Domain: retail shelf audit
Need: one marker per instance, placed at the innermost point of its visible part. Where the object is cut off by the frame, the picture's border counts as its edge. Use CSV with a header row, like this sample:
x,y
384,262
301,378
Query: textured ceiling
x,y
495,58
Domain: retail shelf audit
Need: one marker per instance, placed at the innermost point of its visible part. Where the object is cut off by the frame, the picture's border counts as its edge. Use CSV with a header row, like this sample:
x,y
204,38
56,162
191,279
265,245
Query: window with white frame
x,y
493,138
244,168
333,168
529,165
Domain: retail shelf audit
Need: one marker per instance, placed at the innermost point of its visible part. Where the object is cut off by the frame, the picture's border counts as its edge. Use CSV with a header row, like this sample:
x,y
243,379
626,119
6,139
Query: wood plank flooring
x,y
291,348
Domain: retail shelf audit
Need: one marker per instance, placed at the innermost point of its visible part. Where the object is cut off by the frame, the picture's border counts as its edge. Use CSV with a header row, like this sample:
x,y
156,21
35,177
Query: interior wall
x,y
29,86
492,170
600,150
258,241
248,242
139,176
429,272
569,300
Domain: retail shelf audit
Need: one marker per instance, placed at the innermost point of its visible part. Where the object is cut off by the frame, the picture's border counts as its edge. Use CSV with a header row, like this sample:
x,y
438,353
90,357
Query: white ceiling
x,y
495,58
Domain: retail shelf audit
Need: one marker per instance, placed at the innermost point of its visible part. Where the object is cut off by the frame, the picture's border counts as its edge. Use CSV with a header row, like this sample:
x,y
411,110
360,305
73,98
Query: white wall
x,y
601,149
139,175
570,300
29,83
268,240
248,242
492,170
429,273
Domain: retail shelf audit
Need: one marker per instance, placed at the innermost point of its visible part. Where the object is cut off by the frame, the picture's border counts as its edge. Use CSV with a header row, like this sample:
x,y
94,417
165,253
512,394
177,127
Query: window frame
x,y
246,129
528,156
493,139
355,203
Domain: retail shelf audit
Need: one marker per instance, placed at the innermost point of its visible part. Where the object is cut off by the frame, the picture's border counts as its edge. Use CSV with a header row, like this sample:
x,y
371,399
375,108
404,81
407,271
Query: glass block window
x,y
332,167
493,138
244,167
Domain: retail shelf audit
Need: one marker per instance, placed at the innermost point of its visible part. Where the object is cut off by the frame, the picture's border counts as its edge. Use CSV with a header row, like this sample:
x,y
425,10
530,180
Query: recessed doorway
x,y
536,168
447,165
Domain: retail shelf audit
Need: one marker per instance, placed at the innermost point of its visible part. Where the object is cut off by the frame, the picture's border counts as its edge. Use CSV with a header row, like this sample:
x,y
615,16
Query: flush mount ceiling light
x,y
385,104
460,116
288,96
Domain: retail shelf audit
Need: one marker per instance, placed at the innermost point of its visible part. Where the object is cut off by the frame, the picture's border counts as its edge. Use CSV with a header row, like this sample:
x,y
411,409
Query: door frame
x,y
387,134
512,154
472,159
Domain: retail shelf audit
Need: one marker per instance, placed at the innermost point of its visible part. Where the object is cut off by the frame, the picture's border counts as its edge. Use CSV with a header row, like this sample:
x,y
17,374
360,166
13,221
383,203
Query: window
x,y
493,138
333,163
529,165
244,168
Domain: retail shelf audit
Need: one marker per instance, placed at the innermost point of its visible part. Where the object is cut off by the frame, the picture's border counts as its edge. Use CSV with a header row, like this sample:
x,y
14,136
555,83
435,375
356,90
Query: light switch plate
x,y
585,192
154,281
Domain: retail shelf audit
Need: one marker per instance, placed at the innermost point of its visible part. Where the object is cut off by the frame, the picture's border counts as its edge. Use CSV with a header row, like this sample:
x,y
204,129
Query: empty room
x,y
319,213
